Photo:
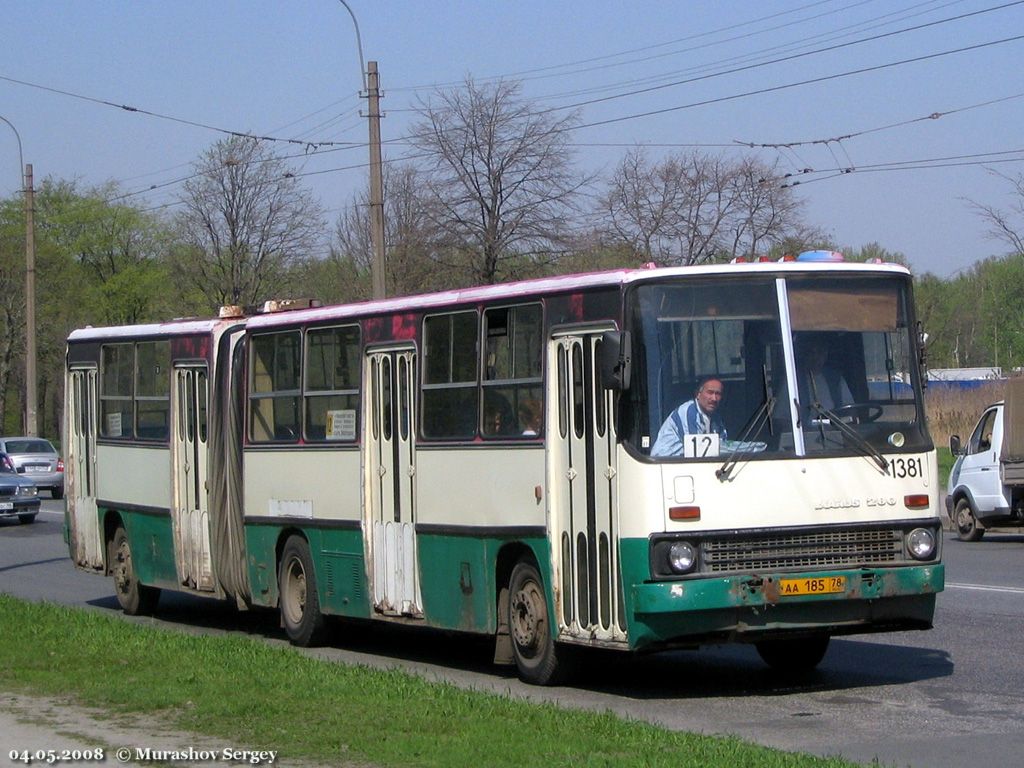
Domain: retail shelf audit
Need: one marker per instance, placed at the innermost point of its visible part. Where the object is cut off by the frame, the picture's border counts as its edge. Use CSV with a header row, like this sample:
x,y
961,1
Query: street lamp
x,y
31,407
371,88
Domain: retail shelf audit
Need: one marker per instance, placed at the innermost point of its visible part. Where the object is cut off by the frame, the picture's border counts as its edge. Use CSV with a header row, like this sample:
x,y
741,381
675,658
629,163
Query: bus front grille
x,y
822,549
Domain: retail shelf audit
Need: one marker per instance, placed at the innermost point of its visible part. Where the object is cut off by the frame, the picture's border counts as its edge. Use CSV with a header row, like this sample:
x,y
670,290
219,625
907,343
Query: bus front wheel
x,y
136,599
533,644
793,656
298,601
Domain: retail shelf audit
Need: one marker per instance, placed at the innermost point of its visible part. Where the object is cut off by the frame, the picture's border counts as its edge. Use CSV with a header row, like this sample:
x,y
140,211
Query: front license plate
x,y
824,585
6,505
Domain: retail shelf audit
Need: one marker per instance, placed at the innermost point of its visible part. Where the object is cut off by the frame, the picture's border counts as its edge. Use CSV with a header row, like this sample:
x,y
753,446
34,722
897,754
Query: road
x,y
952,696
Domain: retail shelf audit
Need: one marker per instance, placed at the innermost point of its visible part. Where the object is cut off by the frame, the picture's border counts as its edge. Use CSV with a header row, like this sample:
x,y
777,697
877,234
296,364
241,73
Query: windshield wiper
x,y
865,447
761,415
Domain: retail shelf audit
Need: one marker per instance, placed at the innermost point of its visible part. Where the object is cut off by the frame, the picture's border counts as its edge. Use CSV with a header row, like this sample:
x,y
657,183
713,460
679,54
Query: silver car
x,y
18,496
37,460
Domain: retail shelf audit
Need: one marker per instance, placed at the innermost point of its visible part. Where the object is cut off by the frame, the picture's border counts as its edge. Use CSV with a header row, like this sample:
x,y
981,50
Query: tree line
x,y
492,193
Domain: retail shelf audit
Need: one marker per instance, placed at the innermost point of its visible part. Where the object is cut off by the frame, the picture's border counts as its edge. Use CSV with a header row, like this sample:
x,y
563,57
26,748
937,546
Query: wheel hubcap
x,y
123,568
526,617
964,520
296,597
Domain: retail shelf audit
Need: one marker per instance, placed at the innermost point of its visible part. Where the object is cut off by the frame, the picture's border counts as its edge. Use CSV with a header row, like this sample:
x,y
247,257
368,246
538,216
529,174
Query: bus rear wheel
x,y
298,601
533,645
794,656
136,599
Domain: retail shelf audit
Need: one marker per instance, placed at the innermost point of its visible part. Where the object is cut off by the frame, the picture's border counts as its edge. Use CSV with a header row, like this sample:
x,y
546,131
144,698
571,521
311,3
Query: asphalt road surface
x,y
952,696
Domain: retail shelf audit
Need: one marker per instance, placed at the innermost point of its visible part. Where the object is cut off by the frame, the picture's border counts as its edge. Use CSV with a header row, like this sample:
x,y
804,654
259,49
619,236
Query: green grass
x,y
946,460
270,697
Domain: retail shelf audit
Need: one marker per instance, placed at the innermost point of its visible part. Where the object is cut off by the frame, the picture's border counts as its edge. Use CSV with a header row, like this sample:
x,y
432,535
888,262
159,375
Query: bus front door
x,y
389,442
85,535
582,472
191,496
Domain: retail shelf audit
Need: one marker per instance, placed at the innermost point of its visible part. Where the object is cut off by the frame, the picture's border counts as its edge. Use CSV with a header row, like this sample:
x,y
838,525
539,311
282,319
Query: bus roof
x,y
187,327
489,293
558,284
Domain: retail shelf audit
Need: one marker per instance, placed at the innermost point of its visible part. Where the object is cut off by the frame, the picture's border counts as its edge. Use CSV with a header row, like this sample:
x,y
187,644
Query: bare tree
x,y
409,234
692,208
500,178
1006,226
764,212
246,219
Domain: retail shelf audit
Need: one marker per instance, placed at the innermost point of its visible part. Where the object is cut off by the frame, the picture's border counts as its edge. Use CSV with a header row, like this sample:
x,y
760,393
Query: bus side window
x,y
450,377
513,394
331,383
274,387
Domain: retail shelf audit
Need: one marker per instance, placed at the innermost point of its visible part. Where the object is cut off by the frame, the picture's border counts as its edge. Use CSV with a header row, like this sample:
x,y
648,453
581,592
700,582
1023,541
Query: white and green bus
x,y
481,460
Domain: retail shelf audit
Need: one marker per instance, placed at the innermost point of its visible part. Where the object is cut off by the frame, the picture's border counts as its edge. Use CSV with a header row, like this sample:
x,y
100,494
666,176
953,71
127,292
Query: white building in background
x,y
990,373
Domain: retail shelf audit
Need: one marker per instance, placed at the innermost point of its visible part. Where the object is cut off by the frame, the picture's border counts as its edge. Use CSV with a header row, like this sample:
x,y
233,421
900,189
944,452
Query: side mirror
x,y
954,445
616,359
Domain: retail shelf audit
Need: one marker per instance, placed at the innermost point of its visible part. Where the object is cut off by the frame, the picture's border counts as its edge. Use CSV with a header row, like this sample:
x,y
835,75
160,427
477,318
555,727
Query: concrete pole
x,y
376,183
31,404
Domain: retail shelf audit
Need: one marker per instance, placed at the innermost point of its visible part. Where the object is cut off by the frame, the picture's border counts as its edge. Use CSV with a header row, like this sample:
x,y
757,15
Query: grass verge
x,y
946,460
269,697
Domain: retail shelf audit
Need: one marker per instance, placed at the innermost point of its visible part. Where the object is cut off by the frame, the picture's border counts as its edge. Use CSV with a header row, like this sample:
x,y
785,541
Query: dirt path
x,y
38,726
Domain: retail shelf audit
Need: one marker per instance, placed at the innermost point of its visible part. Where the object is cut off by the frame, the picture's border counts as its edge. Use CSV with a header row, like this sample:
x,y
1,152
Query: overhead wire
x,y
525,74
314,147
796,84
792,57
161,116
889,126
756,56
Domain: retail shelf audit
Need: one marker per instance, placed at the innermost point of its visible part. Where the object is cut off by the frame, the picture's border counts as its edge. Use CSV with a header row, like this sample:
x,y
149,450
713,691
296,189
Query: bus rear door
x,y
191,497
85,536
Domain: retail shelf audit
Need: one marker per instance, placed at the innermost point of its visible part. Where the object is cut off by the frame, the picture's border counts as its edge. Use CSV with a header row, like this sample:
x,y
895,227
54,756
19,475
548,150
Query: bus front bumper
x,y
753,607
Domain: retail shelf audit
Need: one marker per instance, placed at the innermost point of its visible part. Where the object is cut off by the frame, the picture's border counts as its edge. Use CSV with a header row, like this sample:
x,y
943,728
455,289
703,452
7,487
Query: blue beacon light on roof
x,y
820,256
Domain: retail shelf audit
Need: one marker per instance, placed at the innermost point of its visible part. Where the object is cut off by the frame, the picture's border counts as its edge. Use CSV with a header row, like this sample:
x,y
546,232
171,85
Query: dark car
x,y
18,495
38,460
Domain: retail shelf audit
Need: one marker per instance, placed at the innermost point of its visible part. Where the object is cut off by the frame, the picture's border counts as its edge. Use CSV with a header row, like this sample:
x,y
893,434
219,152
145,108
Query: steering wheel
x,y
863,412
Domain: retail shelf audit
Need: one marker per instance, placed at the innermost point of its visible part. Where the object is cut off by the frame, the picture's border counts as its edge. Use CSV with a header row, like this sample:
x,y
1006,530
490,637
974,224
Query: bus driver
x,y
698,416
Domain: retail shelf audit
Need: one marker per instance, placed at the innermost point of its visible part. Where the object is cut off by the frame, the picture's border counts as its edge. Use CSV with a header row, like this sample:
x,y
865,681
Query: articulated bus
x,y
483,460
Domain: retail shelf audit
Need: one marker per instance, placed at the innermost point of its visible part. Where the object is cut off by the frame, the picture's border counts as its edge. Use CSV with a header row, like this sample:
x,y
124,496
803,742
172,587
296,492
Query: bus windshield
x,y
804,365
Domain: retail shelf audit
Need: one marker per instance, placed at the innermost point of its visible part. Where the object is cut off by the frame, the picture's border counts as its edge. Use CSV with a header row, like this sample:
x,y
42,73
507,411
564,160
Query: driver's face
x,y
710,395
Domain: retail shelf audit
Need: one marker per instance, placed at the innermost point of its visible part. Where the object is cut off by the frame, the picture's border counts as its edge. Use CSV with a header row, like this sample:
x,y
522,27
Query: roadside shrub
x,y
955,411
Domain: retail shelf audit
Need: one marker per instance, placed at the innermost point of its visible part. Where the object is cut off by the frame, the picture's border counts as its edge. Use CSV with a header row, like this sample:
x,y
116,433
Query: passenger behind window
x,y
820,382
529,417
499,418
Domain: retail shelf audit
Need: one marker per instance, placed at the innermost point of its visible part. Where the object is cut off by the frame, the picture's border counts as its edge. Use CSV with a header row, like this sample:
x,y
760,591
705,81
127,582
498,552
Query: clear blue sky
x,y
291,70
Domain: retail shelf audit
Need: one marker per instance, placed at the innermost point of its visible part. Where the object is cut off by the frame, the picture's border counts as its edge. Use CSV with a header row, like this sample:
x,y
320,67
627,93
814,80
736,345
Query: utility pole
x,y
376,182
31,406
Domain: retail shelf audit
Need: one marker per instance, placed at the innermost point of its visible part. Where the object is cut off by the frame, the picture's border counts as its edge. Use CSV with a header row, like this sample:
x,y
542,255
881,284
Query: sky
x,y
896,114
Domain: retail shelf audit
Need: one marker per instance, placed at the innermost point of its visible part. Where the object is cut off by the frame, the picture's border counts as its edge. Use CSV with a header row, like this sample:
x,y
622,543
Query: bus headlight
x,y
921,544
682,557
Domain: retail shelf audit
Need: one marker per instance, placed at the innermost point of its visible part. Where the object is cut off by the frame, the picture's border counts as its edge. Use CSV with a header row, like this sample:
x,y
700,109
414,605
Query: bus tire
x,y
967,527
533,645
794,656
136,599
298,600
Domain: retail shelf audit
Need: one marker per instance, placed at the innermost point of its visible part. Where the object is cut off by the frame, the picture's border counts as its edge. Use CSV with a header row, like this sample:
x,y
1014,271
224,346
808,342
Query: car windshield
x,y
29,446
848,347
